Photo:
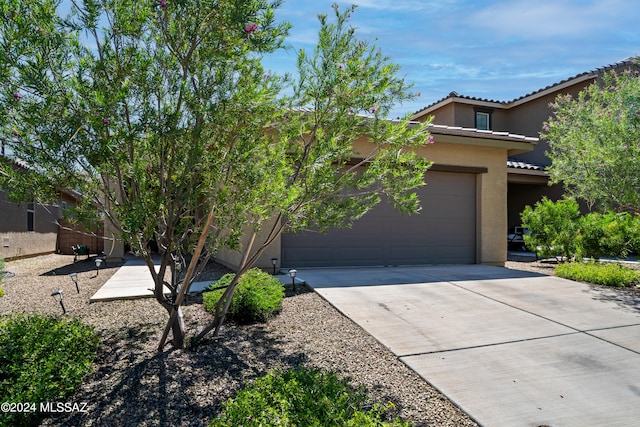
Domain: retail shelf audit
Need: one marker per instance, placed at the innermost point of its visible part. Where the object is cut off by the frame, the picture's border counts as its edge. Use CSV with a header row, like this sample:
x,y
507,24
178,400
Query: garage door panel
x,y
442,233
303,255
361,254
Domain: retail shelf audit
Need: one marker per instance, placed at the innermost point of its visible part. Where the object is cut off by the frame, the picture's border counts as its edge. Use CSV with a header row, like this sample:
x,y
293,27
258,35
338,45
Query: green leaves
x,y
42,359
595,142
302,397
553,227
158,111
606,274
258,296
346,153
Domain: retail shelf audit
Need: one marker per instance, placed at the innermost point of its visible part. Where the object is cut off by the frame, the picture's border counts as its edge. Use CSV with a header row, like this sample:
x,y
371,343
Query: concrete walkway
x,y
510,348
133,280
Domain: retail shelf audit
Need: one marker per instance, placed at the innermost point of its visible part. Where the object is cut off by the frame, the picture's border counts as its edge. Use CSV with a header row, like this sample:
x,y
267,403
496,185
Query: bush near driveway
x,y
553,227
302,397
42,359
556,229
608,274
258,296
608,234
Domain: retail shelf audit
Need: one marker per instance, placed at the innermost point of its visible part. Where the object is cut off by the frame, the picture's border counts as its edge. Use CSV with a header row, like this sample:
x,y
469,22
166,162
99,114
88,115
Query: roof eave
x,y
514,144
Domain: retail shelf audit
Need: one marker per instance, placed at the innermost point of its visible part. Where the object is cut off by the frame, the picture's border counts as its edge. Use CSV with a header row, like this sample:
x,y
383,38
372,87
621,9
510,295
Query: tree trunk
x,y
178,330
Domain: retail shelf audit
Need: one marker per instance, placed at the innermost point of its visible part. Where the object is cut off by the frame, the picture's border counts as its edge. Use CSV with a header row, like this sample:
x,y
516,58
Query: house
x,y
31,229
526,176
463,218
488,166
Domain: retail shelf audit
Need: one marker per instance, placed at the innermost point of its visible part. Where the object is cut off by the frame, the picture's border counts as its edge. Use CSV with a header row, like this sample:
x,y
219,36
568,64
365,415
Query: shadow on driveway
x,y
320,278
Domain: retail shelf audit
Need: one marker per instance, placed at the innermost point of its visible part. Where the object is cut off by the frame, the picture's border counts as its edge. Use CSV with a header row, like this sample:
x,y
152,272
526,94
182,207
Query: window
x,y
30,214
483,120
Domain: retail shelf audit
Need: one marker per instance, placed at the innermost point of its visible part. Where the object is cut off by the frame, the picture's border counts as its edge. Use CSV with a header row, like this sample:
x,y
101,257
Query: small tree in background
x,y
595,142
162,116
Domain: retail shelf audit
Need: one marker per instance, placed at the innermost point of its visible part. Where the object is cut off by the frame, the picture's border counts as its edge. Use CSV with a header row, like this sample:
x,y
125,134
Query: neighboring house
x,y
527,179
463,210
27,229
31,229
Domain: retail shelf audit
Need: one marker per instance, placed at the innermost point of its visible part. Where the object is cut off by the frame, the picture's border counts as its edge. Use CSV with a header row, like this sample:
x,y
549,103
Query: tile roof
x,y
594,72
518,164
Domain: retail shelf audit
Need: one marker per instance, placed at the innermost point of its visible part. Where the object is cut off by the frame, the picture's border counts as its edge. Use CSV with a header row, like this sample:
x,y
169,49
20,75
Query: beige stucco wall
x,y
24,244
113,244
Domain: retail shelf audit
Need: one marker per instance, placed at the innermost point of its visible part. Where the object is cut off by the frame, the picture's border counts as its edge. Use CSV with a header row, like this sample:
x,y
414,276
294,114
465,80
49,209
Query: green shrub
x,y
609,274
258,296
42,359
608,234
552,226
302,397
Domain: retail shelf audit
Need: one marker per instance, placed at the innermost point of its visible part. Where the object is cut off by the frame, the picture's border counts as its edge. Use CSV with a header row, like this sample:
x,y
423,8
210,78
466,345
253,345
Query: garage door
x,y
442,233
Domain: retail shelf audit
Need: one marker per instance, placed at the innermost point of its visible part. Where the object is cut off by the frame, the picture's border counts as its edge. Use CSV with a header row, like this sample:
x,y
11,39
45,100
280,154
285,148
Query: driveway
x,y
510,348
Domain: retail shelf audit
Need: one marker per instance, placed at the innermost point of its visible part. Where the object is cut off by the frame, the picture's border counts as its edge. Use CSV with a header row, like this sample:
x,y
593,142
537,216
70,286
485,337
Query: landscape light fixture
x,y
98,263
274,262
74,277
57,295
293,273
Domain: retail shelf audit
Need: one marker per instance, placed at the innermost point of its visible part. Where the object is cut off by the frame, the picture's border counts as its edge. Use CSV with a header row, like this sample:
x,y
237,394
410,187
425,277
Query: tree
x,y
163,117
593,142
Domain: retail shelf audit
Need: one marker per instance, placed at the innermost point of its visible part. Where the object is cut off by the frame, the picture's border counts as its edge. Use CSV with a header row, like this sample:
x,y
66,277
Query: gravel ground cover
x,y
134,385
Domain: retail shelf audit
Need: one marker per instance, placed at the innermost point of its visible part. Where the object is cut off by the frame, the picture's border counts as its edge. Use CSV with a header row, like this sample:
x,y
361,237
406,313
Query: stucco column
x,y
113,244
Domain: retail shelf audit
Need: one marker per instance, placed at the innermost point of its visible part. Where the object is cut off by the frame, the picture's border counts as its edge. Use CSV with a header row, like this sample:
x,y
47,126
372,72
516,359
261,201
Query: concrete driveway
x,y
510,348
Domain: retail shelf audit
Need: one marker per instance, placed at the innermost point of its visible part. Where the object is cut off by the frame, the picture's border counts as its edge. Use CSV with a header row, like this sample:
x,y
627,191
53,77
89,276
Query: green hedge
x,y
258,296
302,397
42,359
608,234
558,229
609,274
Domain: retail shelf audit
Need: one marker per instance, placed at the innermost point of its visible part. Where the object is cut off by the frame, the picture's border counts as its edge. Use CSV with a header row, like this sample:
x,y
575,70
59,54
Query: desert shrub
x,y
609,274
42,359
552,227
258,296
302,397
609,234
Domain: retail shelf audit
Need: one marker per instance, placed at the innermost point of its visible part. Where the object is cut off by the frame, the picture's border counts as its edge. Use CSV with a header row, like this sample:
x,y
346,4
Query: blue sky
x,y
496,49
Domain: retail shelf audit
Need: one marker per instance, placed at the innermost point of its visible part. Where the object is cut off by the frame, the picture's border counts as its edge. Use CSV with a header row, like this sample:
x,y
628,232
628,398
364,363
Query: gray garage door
x,y
442,233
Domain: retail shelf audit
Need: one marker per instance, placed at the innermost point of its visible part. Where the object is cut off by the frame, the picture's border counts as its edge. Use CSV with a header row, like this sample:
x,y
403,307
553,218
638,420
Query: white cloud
x,y
546,19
